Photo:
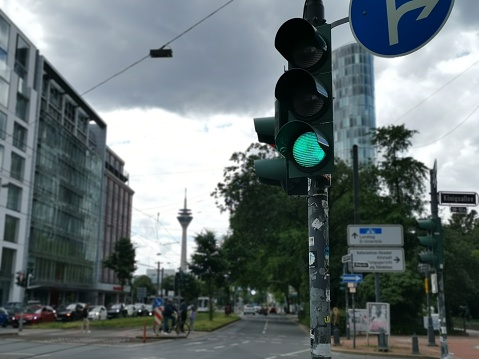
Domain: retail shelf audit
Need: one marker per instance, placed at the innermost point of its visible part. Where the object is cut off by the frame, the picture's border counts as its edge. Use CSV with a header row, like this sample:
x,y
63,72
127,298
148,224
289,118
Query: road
x,y
255,336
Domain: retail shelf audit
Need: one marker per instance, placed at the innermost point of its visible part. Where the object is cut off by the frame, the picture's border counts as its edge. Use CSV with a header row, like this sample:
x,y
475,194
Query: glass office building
x,y
354,111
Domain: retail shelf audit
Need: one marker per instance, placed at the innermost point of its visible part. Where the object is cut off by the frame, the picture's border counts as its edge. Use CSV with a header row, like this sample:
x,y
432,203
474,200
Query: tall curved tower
x,y
184,217
354,109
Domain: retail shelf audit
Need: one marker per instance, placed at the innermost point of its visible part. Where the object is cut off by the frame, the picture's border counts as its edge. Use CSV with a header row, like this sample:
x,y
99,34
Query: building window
x,y
8,261
17,167
12,224
19,136
3,125
21,109
4,33
1,157
3,65
14,199
21,55
4,92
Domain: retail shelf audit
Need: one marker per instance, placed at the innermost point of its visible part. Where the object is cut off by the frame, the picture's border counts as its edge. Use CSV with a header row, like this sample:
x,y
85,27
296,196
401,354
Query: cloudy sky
x,y
176,121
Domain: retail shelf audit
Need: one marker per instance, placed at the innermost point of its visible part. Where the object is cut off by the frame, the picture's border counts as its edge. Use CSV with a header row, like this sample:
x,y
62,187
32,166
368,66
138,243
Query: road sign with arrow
x,y
379,260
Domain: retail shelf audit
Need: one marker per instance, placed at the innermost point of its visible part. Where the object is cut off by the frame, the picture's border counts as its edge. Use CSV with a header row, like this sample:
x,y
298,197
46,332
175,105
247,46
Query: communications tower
x,y
184,217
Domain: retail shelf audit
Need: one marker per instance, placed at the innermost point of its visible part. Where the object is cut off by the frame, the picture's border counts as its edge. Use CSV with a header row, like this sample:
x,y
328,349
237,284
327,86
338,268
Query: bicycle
x,y
177,328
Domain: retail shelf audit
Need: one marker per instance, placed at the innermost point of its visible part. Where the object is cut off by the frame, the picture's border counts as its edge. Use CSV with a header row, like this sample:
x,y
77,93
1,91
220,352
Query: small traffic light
x,y
274,171
305,90
434,255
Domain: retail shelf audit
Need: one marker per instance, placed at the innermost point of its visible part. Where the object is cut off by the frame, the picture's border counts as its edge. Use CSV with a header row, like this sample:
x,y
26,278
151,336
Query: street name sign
x,y
458,198
352,278
346,258
458,210
380,260
390,28
375,235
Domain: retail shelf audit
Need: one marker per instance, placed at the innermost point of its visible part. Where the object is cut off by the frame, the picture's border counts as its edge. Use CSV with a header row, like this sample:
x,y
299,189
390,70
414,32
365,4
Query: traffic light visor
x,y
299,43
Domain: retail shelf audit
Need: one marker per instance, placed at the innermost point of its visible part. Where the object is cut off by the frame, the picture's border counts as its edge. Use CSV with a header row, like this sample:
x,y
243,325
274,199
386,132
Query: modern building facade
x,y
64,195
18,125
354,109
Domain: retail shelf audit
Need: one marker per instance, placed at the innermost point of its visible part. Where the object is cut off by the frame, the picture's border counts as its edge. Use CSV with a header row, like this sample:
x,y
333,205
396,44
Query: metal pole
x,y
430,327
158,279
439,270
319,280
346,297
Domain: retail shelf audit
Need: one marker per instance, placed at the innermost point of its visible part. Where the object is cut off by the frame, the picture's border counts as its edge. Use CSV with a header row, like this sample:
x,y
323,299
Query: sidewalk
x,y
460,347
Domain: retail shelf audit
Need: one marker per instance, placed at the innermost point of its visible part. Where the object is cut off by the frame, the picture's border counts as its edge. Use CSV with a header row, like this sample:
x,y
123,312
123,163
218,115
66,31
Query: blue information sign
x,y
392,28
158,302
352,278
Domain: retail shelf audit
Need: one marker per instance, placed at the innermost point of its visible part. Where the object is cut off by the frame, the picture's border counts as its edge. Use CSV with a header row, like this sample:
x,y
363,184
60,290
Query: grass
x,y
202,323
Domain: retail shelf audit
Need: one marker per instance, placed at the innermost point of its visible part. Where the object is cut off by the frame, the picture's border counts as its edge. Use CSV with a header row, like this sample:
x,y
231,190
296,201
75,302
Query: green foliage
x,y
143,281
122,261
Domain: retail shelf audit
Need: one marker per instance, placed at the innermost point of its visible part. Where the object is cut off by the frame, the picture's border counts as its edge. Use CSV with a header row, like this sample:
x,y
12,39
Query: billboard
x,y
378,317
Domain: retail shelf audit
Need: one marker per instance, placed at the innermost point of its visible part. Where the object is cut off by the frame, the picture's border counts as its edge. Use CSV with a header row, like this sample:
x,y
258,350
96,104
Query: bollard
x,y
382,345
336,336
415,345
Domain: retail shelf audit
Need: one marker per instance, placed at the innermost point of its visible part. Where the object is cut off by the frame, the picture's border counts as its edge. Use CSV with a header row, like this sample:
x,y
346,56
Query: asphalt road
x,y
253,337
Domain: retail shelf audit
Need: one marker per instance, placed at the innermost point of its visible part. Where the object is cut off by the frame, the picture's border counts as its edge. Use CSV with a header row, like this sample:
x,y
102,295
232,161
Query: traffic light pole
x,y
439,270
319,278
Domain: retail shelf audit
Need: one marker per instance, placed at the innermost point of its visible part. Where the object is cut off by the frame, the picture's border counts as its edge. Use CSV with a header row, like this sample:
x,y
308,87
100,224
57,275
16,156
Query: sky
x,y
177,121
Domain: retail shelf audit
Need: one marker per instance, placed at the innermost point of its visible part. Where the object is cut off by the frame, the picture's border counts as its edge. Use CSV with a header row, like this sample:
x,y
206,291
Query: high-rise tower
x,y
354,110
184,217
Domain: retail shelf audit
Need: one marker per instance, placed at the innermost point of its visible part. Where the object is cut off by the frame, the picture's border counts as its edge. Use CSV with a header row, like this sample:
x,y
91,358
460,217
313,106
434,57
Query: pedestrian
x,y
183,313
192,317
85,326
335,319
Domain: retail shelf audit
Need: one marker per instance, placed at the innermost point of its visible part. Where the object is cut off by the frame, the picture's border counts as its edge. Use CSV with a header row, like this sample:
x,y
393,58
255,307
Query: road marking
x,y
219,347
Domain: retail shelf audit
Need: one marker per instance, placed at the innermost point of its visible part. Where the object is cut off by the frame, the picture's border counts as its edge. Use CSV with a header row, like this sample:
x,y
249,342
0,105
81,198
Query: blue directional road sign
x,y
390,28
352,278
158,302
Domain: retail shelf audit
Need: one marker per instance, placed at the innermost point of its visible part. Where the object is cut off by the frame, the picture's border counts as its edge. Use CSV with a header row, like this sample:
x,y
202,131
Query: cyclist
x,y
168,314
183,313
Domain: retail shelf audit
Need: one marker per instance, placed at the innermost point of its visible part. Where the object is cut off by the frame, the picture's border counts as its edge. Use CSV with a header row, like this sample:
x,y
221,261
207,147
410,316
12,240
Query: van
x,y
203,305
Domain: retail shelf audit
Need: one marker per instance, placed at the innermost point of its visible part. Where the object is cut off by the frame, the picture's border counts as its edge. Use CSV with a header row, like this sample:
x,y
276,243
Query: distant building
x,y
354,110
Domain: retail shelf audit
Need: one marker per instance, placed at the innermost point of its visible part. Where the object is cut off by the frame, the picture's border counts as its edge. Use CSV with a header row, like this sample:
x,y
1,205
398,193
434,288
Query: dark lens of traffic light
x,y
306,55
307,104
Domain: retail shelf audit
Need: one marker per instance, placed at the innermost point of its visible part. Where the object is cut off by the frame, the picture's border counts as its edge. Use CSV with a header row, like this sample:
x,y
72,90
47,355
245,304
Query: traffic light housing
x,y
305,137
274,171
434,255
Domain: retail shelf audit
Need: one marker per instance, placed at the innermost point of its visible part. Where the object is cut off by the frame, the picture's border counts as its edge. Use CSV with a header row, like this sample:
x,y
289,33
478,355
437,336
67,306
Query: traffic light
x,y
274,171
305,137
434,255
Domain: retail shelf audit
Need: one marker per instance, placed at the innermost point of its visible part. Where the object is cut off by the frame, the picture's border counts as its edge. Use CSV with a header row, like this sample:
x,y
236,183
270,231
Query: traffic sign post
x,y
390,28
375,235
380,260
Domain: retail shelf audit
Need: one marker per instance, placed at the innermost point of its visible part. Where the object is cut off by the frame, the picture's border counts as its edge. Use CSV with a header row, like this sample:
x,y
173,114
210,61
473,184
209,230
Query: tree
x,y
208,264
143,281
122,261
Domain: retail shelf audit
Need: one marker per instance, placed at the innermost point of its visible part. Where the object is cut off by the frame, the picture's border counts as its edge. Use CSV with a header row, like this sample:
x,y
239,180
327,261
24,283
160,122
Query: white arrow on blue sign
x,y
392,28
352,278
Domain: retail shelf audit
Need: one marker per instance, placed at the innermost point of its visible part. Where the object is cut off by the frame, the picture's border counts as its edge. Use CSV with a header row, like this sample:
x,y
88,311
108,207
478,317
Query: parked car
x,y
249,309
71,312
141,310
149,310
4,317
116,311
35,314
97,313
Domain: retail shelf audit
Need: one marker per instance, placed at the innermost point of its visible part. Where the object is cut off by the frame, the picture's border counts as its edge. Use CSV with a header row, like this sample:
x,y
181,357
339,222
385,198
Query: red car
x,y
36,314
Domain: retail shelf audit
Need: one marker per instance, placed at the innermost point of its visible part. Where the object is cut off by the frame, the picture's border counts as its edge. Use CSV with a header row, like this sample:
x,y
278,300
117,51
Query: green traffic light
x,y
306,150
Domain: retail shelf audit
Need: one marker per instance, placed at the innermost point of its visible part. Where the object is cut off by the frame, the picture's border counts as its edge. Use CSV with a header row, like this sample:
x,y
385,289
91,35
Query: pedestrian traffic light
x,y
432,241
274,171
305,138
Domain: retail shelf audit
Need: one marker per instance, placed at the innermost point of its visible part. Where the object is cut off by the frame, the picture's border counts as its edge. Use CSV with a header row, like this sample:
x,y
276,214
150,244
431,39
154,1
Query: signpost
x,y
375,235
458,198
391,28
352,278
380,260
459,210
346,258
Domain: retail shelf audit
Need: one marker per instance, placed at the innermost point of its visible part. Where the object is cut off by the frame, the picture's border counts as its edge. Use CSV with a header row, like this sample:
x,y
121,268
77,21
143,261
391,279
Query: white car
x,y
249,309
130,310
97,313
